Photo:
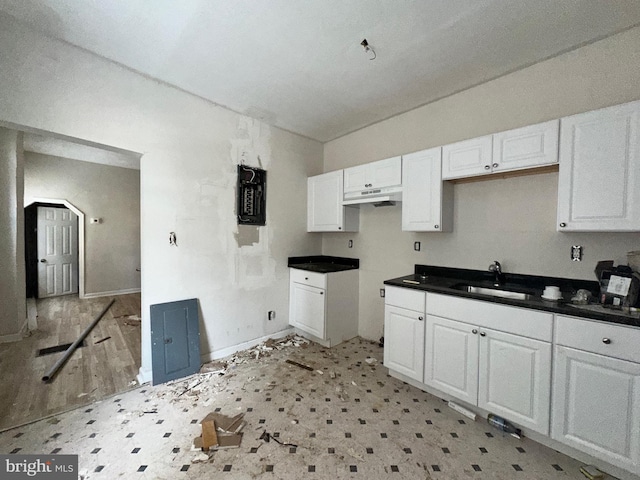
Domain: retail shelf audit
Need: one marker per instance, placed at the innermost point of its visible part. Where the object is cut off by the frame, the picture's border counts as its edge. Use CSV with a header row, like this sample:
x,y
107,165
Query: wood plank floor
x,y
93,372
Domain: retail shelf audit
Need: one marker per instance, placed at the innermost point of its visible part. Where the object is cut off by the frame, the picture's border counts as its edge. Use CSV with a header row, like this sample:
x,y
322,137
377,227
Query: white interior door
x,y
57,252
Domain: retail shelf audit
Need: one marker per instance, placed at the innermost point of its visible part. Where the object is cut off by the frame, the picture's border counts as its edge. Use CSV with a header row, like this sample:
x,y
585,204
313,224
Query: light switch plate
x,y
350,243
382,292
416,246
576,253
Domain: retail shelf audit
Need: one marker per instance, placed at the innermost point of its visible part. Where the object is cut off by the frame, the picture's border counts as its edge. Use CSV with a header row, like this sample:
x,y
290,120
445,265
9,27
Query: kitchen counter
x,y
323,263
443,279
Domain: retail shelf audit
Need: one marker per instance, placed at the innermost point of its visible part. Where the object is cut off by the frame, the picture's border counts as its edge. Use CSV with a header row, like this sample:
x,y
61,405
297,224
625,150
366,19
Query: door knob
x,y
43,260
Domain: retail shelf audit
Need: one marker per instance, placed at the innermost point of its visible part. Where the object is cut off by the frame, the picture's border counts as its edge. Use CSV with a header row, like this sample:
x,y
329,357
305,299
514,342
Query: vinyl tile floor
x,y
352,420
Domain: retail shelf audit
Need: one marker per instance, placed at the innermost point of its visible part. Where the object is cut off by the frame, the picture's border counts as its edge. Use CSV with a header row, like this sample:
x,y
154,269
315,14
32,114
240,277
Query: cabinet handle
x,y
339,228
420,318
474,331
483,334
321,293
563,224
436,226
606,341
487,167
306,278
495,165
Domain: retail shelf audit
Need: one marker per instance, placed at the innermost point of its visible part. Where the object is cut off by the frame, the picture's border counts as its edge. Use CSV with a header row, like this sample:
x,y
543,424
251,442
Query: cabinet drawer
x,y
313,279
405,298
505,318
592,336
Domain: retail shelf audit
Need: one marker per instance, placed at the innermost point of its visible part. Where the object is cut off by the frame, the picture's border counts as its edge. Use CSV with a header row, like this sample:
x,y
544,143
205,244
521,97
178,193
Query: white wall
x,y
510,220
12,305
190,150
112,248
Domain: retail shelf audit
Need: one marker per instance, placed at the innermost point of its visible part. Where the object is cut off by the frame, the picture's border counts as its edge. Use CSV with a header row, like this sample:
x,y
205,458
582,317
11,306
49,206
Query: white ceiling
x,y
299,65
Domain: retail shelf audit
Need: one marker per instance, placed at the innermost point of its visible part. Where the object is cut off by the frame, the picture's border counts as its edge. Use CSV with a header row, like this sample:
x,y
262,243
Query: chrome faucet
x,y
496,268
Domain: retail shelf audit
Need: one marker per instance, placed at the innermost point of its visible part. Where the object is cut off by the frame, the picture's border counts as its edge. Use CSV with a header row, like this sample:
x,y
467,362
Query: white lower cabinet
x,y
324,305
505,374
404,331
596,391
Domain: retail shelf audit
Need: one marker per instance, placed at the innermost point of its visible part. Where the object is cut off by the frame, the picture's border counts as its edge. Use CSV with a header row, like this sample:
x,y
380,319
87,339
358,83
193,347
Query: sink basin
x,y
493,292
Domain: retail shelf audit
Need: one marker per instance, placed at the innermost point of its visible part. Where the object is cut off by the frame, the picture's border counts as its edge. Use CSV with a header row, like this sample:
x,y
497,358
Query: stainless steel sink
x,y
493,292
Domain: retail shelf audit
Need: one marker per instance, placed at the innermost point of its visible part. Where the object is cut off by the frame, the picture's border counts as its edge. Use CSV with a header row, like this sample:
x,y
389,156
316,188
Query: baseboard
x,y
15,337
144,376
225,352
112,293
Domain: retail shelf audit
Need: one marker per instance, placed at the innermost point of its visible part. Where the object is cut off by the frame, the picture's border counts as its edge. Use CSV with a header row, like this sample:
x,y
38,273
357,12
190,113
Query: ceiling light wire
x,y
368,49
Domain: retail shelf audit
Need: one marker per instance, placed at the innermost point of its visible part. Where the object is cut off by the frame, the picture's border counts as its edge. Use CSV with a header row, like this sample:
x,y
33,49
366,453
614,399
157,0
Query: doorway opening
x,y
54,248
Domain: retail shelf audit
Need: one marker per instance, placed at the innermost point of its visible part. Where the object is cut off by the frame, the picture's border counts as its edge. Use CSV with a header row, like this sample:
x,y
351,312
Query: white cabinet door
x,y
451,358
307,309
380,174
426,202
385,173
599,180
404,341
325,212
467,158
526,147
514,378
596,406
355,178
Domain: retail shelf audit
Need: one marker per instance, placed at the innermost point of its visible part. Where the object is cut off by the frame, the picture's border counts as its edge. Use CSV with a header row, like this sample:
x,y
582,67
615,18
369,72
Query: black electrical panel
x,y
252,199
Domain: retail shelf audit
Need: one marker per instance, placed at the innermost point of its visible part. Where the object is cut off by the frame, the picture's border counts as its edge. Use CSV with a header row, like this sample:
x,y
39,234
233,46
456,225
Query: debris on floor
x,y
220,431
102,340
266,436
202,386
298,364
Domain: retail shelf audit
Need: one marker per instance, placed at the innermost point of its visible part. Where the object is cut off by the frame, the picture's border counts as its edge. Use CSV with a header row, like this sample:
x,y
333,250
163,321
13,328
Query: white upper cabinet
x,y
380,174
517,149
526,147
467,158
427,202
325,212
599,181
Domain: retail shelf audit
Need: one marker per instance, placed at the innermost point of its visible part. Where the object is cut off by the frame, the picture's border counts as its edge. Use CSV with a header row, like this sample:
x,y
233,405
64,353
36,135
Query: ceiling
x,y
299,65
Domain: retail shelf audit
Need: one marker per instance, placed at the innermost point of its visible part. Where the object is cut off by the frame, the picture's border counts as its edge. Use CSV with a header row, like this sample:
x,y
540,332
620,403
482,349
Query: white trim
x,y
224,352
80,215
15,337
144,376
112,293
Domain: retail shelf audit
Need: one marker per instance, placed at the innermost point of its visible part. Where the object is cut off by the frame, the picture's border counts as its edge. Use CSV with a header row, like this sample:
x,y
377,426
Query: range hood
x,y
383,196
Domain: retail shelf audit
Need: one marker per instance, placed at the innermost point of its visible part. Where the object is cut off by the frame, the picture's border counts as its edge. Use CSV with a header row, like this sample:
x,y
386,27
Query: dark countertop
x,y
442,279
323,263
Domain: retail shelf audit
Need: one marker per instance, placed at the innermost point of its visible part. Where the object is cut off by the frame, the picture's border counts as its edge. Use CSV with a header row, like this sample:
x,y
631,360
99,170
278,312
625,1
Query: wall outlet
x,y
576,253
350,243
416,246
272,314
382,292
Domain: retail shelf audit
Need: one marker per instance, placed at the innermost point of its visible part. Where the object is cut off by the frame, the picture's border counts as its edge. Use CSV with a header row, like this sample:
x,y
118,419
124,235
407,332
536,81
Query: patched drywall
x,y
511,220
